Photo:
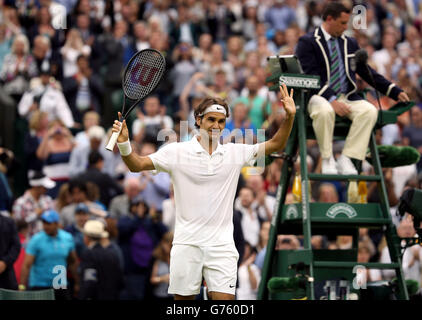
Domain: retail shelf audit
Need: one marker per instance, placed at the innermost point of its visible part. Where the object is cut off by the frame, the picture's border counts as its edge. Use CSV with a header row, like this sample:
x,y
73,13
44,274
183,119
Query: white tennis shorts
x,y
217,264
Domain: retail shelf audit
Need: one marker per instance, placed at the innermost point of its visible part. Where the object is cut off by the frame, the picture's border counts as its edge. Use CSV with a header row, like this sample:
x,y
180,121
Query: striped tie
x,y
335,68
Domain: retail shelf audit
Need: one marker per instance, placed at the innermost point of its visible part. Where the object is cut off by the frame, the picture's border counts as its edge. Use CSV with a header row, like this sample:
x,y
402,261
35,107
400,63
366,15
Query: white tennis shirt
x,y
204,188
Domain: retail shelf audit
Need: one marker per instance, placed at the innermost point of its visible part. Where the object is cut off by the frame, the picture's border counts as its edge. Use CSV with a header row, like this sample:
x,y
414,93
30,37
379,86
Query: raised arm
x,y
134,162
279,140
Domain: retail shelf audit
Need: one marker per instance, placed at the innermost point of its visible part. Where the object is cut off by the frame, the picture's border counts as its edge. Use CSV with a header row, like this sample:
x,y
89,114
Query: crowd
x,y
60,90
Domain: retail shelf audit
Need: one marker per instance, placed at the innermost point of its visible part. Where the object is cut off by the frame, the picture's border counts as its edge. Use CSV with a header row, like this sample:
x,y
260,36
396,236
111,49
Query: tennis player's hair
x,y
334,9
208,101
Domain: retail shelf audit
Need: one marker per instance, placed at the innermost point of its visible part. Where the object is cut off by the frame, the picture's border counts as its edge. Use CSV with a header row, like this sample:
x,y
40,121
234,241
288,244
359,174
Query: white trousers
x,y
363,116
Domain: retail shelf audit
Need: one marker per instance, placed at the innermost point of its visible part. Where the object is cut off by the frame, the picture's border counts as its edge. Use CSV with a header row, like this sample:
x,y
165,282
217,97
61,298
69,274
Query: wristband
x,y
125,148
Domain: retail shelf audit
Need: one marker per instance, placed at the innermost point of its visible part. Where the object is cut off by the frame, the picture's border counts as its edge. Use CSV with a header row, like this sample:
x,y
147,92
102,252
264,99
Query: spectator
x,y
218,63
79,156
34,202
43,26
80,194
138,236
264,235
412,135
202,53
83,90
55,150
76,229
182,71
249,275
280,16
90,119
147,126
240,129
45,94
9,252
154,188
119,205
364,254
18,68
38,129
46,57
100,272
42,259
258,107
183,29
22,228
160,274
107,185
63,197
264,202
72,49
251,223
5,43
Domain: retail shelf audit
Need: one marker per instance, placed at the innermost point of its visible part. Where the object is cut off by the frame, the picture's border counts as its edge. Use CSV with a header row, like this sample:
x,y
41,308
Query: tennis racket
x,y
142,75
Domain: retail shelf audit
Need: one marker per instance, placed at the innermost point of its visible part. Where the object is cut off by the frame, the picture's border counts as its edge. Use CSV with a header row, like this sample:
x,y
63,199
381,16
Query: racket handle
x,y
112,141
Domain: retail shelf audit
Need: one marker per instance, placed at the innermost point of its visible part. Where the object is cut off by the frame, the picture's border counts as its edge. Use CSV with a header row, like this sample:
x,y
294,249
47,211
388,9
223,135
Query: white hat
x,y
39,179
96,132
95,229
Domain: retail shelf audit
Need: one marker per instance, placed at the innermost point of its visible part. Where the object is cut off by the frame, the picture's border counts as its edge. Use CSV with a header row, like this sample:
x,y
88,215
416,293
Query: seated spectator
x,y
101,277
46,57
119,205
217,63
251,222
364,255
264,235
38,129
46,95
72,49
83,89
76,229
55,150
79,156
79,191
18,68
412,135
147,126
258,107
90,119
160,274
249,275
239,128
108,187
34,202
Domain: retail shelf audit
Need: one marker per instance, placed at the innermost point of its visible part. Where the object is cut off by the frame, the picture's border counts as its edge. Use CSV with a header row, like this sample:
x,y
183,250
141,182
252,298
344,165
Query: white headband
x,y
214,108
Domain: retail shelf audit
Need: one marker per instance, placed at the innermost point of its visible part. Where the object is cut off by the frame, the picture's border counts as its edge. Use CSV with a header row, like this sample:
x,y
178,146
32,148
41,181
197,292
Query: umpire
x,y
100,272
9,251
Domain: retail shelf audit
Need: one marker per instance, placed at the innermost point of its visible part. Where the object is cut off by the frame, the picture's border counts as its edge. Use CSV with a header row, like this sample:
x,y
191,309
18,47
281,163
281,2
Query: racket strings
x,y
143,74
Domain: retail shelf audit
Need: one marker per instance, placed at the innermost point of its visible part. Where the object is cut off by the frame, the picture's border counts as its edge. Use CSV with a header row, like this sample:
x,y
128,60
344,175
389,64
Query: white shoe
x,y
345,166
329,166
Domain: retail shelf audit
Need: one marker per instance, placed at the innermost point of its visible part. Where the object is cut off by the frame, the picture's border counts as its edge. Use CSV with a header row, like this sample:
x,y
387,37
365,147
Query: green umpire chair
x,y
298,274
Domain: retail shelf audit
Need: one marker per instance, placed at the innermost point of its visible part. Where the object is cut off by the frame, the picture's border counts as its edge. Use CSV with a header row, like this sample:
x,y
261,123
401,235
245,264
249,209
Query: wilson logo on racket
x,y
145,76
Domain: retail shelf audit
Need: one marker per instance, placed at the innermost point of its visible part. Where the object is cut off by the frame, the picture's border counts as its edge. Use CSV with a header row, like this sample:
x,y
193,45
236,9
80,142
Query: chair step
x,y
338,177
344,264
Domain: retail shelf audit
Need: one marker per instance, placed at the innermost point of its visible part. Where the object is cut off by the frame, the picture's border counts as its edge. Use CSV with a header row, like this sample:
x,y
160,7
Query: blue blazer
x,y
314,56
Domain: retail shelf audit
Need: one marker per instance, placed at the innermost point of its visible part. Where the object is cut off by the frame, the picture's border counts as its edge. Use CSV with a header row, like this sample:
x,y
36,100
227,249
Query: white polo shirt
x,y
204,188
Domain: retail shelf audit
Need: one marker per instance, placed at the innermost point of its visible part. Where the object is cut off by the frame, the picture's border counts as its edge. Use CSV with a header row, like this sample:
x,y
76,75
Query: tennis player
x,y
205,174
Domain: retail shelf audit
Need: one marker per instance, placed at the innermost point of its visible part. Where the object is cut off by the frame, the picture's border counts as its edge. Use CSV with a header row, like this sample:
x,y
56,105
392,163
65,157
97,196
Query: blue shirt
x,y
49,252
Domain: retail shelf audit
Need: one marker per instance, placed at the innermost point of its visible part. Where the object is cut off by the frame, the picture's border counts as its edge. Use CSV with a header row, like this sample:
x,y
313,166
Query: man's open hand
x,y
287,100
